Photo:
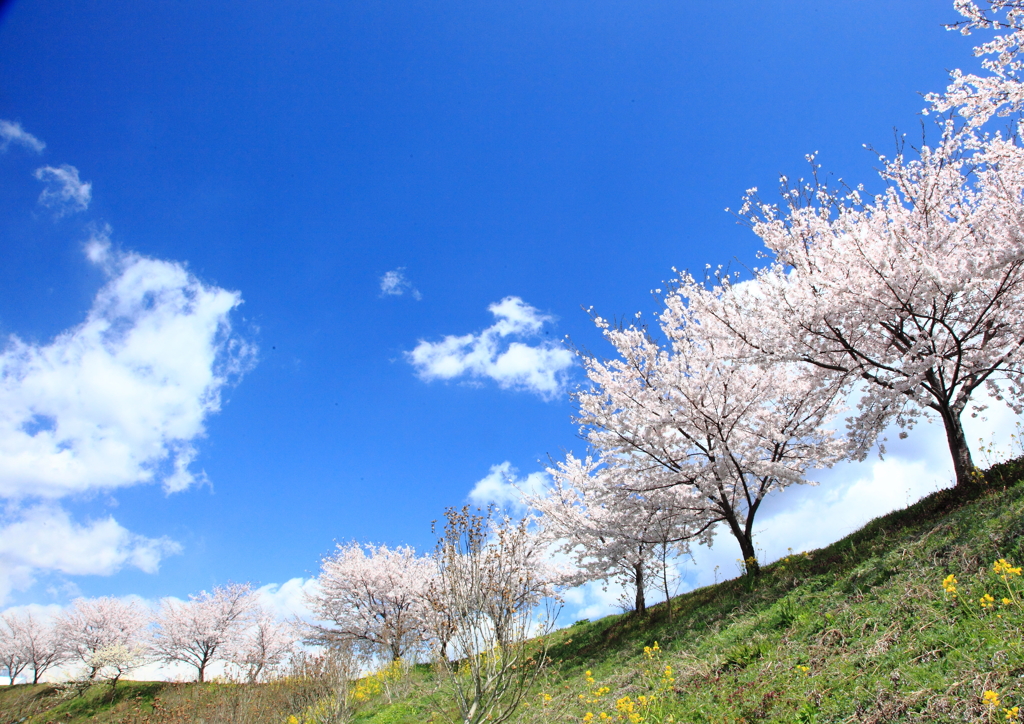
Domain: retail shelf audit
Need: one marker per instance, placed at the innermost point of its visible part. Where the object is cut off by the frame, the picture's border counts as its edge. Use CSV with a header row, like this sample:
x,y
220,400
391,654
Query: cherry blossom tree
x,y
36,641
689,426
198,632
91,629
12,654
611,533
915,294
373,598
113,661
262,646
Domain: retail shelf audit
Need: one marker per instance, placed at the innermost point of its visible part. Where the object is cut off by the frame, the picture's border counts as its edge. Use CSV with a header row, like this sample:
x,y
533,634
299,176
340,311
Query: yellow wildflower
x,y
1004,569
991,699
987,601
949,583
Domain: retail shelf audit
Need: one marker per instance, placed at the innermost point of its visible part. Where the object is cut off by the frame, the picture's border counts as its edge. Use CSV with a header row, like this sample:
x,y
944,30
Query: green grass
x,y
860,631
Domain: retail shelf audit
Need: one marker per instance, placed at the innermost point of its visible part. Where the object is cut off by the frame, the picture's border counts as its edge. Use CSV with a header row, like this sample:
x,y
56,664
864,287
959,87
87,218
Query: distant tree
x,y
12,654
37,641
262,646
198,632
115,660
372,597
490,576
610,533
98,630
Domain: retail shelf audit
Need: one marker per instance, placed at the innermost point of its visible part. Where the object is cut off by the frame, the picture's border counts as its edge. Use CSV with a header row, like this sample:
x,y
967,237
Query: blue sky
x,y
563,155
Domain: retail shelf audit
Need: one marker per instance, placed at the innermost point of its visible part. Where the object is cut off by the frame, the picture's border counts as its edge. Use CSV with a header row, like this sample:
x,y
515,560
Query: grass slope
x,y
861,631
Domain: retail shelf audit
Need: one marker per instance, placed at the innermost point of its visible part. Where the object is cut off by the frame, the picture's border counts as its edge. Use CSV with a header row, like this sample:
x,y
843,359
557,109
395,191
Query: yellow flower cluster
x,y
992,701
949,584
987,602
666,678
371,686
1004,569
659,680
803,669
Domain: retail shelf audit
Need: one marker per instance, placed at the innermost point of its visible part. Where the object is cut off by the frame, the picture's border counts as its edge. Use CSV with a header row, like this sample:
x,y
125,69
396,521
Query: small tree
x,y
371,597
263,646
92,628
196,632
115,660
610,533
489,581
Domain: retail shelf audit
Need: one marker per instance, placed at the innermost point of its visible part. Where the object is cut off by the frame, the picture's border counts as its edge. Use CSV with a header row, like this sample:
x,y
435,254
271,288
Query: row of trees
x,y
469,605
108,637
907,303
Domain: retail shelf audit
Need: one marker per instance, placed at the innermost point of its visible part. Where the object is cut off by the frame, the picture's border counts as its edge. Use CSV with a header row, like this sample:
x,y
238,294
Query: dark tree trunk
x,y
963,463
746,540
664,581
640,605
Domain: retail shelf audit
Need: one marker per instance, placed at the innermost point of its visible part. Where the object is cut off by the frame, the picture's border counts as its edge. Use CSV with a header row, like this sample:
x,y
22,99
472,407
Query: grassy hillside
x,y
869,629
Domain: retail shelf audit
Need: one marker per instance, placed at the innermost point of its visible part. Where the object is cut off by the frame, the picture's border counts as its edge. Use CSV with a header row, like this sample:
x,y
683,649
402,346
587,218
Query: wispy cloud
x,y
65,192
539,368
394,284
13,133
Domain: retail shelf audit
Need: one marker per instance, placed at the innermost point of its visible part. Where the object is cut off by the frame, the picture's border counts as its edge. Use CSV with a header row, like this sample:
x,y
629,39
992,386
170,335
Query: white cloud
x,y
395,284
503,487
43,537
119,399
65,193
12,132
288,600
540,368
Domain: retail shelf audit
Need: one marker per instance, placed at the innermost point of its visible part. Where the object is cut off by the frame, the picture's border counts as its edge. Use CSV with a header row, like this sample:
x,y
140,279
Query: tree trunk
x,y
664,580
963,463
640,605
750,565
746,540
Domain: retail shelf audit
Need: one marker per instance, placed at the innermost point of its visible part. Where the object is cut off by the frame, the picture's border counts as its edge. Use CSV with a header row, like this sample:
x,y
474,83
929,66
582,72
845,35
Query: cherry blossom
x,y
93,626
262,646
373,597
201,630
35,642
